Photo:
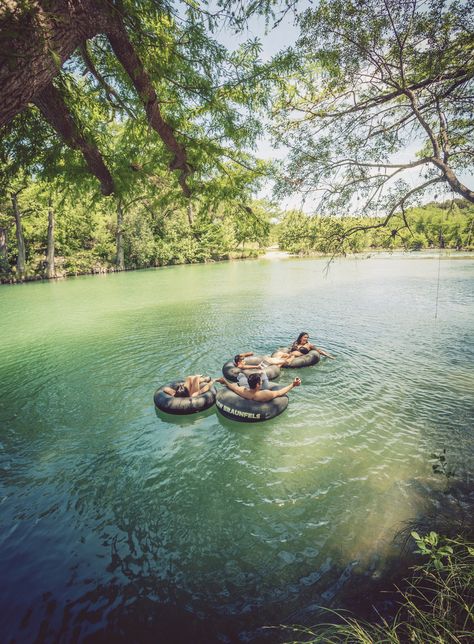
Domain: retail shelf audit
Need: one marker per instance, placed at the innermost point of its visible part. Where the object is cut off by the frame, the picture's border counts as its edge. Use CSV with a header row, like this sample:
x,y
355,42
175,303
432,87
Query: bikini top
x,y
301,348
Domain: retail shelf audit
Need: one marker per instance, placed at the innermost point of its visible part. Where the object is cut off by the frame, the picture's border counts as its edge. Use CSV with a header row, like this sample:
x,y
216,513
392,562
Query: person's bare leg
x,y
190,384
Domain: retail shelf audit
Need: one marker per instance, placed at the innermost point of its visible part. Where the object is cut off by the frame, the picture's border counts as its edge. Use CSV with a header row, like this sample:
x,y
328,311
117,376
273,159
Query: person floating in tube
x,y
254,391
242,378
278,361
302,346
192,386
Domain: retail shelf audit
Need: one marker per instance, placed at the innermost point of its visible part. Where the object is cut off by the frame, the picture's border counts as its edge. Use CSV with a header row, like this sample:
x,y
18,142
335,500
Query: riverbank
x,y
72,267
77,266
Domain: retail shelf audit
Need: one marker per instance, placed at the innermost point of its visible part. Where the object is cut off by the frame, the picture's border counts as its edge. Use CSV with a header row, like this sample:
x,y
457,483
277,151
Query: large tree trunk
x,y
21,258
119,257
50,267
36,38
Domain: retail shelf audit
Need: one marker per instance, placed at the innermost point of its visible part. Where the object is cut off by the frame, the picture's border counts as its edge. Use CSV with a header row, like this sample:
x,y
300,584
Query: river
x,y
121,524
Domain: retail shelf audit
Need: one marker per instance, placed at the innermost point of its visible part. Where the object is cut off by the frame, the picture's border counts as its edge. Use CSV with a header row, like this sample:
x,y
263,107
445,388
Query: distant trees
x,y
379,109
63,235
436,225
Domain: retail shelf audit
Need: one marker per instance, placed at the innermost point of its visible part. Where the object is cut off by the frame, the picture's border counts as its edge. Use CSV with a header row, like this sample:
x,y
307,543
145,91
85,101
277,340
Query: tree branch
x,y
50,103
109,90
126,54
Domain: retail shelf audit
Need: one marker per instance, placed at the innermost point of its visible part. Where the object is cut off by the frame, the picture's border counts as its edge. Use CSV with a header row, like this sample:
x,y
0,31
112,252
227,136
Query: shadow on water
x,y
372,592
146,599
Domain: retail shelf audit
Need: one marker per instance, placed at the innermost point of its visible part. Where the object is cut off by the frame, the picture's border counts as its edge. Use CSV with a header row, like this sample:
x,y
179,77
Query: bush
x,y
84,262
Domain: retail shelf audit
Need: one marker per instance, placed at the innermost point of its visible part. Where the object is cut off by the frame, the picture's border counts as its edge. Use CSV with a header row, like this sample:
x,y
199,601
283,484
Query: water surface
x,y
120,523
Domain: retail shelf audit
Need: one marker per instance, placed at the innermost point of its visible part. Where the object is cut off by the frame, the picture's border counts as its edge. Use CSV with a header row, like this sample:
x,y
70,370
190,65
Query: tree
x,y
50,261
20,240
376,79
142,58
38,37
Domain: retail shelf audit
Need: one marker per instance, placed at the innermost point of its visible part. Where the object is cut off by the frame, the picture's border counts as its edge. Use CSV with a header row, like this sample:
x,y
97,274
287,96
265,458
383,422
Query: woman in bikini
x,y
302,346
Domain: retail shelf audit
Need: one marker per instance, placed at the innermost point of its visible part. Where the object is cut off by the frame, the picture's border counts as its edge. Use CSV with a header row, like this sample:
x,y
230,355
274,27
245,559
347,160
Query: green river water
x,y
118,523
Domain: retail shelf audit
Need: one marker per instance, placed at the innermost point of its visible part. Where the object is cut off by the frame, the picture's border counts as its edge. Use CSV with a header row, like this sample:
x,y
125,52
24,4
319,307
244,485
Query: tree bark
x,y
21,257
50,267
190,213
119,258
36,38
3,249
453,181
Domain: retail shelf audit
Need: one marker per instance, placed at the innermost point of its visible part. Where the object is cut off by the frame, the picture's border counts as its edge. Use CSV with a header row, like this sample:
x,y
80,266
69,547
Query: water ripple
x,y
113,515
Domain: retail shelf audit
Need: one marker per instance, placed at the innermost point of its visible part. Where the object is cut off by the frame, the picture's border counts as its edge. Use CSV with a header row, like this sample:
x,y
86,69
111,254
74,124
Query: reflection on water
x,y
117,519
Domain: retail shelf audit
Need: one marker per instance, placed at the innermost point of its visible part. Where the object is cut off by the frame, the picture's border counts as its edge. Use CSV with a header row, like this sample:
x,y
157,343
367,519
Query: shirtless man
x,y
255,392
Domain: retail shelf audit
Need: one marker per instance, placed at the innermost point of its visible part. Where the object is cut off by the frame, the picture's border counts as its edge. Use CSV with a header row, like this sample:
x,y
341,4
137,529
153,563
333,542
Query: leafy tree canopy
x,y
375,81
86,66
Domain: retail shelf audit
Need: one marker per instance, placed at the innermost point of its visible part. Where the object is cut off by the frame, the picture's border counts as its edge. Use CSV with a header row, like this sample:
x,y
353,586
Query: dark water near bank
x,y
117,524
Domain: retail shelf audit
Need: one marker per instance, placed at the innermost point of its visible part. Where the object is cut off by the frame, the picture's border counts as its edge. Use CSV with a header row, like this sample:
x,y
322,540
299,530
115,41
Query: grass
x,y
436,606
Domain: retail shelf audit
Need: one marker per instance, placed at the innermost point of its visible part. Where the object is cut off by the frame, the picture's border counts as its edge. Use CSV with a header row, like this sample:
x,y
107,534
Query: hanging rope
x,y
439,272
441,244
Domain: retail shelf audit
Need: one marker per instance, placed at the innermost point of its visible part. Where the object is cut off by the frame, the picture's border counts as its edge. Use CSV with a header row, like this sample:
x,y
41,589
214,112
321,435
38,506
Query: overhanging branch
x,y
50,103
126,54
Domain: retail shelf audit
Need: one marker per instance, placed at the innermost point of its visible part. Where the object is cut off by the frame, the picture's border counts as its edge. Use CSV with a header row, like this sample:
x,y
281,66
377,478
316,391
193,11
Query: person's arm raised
x,y
281,392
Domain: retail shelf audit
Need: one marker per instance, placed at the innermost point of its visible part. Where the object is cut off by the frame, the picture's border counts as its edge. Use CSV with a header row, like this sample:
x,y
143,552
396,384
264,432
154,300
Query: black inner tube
x,y
187,405
310,358
233,406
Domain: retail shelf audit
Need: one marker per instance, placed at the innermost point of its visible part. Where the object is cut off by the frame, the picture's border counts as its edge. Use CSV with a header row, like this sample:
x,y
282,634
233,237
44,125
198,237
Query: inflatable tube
x,y
307,360
231,372
233,406
188,405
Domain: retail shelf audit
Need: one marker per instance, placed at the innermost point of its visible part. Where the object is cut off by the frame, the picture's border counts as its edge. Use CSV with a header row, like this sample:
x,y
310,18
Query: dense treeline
x,y
87,236
87,239
435,225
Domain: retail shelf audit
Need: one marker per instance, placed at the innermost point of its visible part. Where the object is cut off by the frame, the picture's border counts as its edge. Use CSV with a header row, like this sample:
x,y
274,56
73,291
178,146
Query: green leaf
x,y
56,58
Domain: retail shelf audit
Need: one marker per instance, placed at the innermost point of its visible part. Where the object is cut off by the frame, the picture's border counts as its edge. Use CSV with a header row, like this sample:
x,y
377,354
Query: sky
x,y
273,40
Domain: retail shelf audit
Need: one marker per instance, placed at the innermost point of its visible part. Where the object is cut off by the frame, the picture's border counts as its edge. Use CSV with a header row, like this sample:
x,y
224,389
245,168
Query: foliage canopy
x,y
380,108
